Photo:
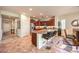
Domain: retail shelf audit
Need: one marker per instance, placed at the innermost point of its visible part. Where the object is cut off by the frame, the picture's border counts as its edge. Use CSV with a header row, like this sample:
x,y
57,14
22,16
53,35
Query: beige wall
x,y
25,26
6,27
69,18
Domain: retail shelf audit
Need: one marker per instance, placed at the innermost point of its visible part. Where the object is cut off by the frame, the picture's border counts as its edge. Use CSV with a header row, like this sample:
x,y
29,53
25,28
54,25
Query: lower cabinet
x,y
37,40
34,39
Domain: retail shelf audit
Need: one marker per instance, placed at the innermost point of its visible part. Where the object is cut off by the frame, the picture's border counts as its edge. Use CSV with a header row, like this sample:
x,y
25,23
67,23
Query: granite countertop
x,y
39,31
42,31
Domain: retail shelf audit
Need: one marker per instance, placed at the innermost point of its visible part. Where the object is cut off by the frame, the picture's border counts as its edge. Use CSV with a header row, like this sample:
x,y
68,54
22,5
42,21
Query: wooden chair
x,y
68,36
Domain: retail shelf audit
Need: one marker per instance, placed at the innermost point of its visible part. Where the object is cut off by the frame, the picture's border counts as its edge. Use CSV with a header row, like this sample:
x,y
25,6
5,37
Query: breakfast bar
x,y
39,37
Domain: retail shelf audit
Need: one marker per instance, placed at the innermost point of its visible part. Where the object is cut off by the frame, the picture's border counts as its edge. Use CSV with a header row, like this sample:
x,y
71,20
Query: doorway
x,y
9,27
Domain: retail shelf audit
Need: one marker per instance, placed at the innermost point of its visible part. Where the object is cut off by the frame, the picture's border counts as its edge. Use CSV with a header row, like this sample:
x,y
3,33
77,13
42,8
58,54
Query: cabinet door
x,y
34,39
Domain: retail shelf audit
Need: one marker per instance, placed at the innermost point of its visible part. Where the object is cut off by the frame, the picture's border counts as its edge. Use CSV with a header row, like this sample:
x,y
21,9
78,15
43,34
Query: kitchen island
x,y
37,37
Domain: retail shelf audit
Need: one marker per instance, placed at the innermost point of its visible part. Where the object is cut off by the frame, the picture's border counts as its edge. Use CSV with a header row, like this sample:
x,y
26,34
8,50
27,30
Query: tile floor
x,y
15,44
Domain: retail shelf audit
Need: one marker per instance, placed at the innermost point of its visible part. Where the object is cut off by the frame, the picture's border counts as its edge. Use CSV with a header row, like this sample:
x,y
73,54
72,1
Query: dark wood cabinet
x,y
34,39
50,22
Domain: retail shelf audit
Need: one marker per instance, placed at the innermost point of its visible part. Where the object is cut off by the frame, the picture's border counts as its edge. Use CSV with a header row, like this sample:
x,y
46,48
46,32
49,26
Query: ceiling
x,y
45,10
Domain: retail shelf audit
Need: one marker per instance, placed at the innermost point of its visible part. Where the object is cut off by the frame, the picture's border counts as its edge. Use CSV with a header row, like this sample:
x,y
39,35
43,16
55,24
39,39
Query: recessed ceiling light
x,y
46,16
34,16
41,13
30,9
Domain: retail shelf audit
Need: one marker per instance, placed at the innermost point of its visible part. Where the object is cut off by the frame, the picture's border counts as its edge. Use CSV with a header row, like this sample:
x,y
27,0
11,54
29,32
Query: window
x,y
75,23
63,25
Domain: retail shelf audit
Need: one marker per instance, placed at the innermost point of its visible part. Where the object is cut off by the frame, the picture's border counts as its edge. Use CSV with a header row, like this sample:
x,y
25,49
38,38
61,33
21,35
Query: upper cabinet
x,y
43,21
